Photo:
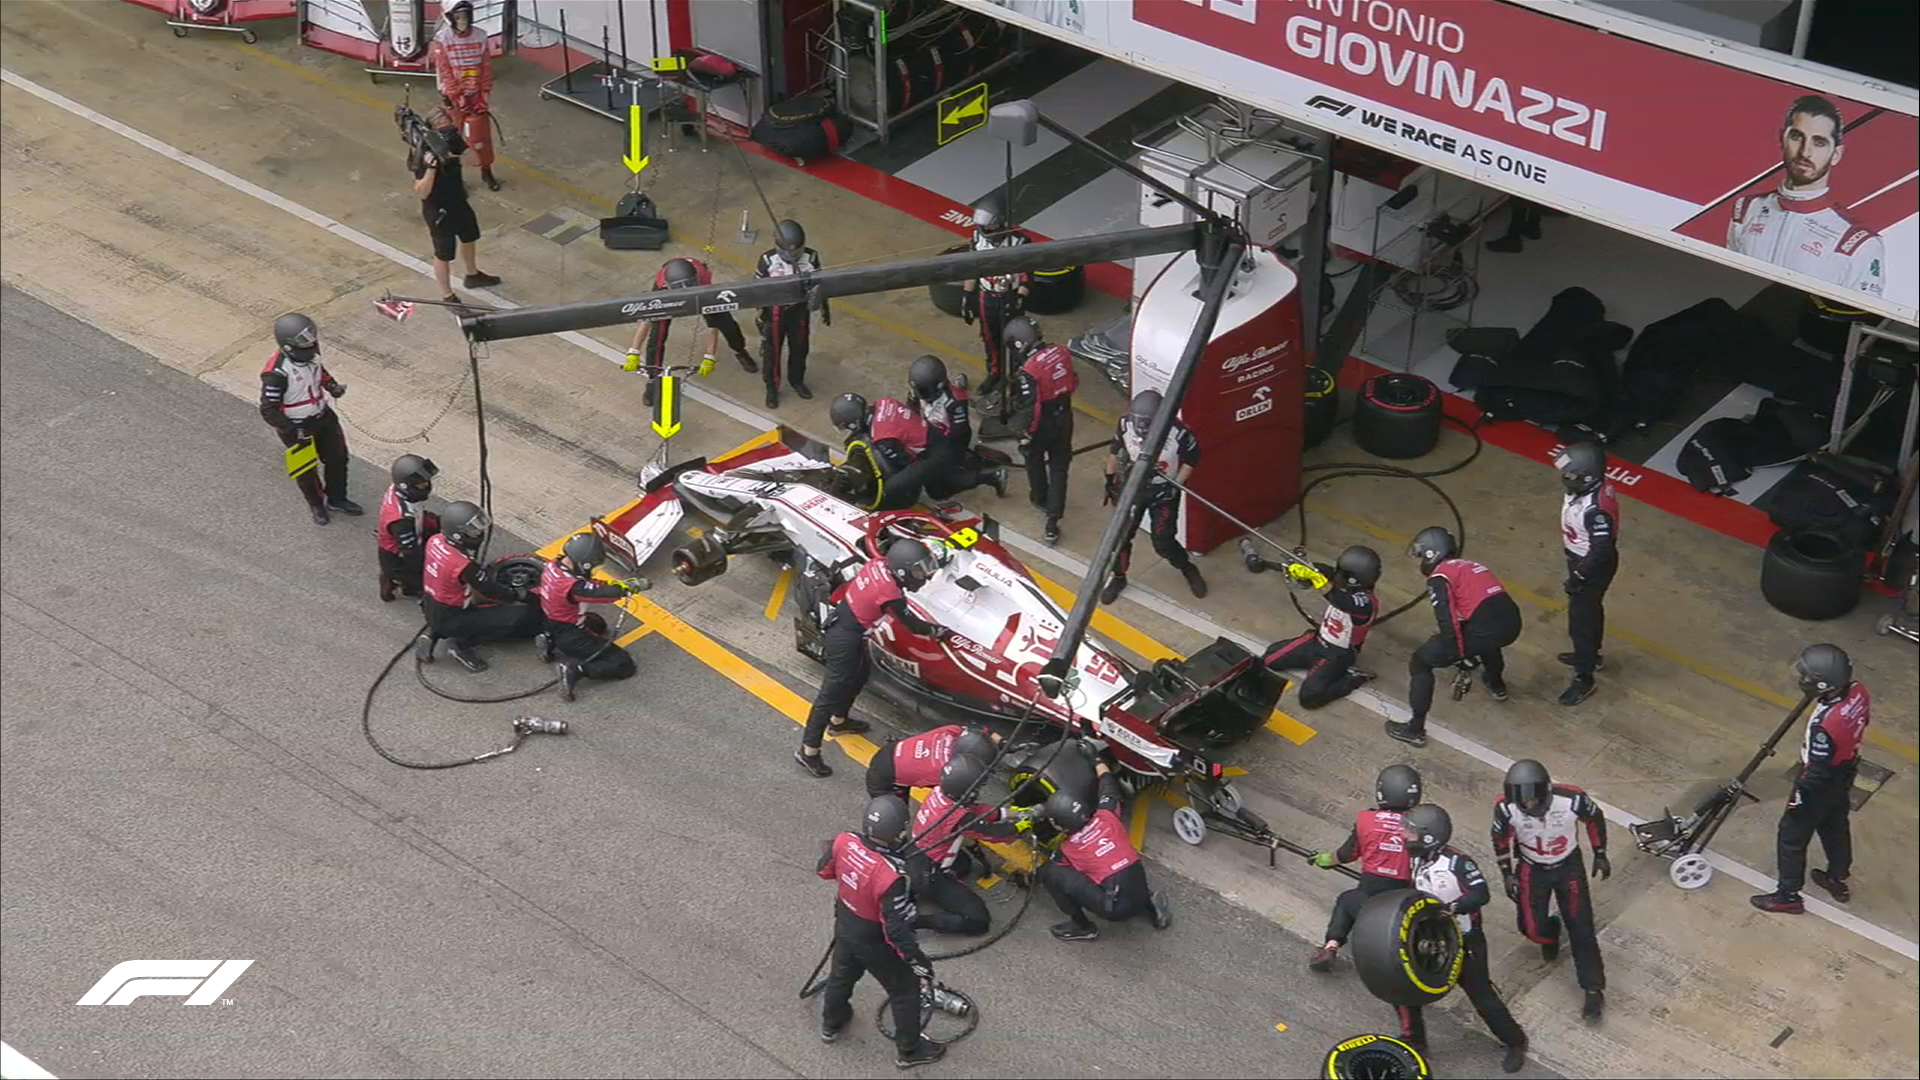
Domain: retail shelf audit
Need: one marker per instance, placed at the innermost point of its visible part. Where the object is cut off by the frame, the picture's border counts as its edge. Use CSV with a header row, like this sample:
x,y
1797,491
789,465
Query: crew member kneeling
x,y
877,591
943,405
454,583
1328,651
406,525
579,636
918,761
873,930
1378,840
1097,868
947,818
887,441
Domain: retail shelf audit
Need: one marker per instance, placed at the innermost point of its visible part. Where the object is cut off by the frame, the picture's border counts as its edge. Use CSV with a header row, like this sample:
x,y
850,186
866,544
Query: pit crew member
x,y
918,760
578,636
455,583
1328,651
1378,839
294,388
788,327
1821,802
1044,385
1476,618
1451,876
1096,868
405,525
1161,515
1544,820
1590,530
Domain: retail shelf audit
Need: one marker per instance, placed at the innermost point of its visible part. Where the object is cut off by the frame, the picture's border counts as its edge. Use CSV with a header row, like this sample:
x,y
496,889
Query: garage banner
x,y
1796,185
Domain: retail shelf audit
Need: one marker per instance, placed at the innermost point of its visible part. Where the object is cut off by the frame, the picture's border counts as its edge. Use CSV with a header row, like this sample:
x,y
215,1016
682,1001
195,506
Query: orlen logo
x,y
201,982
1235,363
1262,402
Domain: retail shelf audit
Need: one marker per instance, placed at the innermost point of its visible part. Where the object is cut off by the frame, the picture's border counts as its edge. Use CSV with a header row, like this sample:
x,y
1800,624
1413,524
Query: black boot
x,y
1515,1060
480,279
319,513
1506,245
1577,691
569,678
1596,1005
344,505
1115,585
1407,733
468,659
486,175
1195,583
543,647
1052,533
386,589
926,1053
747,363
800,389
423,648
812,763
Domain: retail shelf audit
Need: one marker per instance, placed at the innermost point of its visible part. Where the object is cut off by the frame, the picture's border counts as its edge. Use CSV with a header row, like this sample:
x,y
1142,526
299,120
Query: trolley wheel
x,y
1884,626
179,31
1690,871
249,37
1188,825
1227,800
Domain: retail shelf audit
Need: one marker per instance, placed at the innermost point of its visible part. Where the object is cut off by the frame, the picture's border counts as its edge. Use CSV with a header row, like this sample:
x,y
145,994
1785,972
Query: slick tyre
x,y
1397,416
1323,406
1406,948
1812,574
1367,1057
948,295
1056,292
518,571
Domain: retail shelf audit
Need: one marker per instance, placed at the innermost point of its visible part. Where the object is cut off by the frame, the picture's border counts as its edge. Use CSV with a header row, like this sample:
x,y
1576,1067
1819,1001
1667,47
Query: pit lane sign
x,y
962,112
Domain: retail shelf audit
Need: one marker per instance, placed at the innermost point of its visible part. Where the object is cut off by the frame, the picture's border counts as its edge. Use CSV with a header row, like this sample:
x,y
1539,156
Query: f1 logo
x,y
201,982
1332,105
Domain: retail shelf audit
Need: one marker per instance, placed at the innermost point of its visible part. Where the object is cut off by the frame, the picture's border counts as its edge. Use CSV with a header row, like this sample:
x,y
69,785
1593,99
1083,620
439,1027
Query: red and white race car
x,y
782,496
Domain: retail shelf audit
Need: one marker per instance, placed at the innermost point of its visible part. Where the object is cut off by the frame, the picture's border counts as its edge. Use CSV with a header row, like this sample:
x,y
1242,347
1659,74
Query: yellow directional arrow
x,y
636,158
666,408
976,107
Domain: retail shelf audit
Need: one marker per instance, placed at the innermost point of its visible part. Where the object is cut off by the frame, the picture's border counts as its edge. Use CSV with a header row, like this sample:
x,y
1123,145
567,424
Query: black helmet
x,y
1582,465
1428,828
1067,812
975,743
1362,564
789,238
1397,788
680,274
297,336
464,524
413,475
1529,788
1432,547
990,213
1144,407
886,822
848,412
462,6
1022,336
1824,670
927,376
585,551
961,778
911,563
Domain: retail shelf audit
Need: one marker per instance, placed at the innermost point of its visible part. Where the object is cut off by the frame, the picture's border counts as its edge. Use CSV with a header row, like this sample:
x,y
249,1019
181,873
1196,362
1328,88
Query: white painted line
x,y
1152,601
15,1065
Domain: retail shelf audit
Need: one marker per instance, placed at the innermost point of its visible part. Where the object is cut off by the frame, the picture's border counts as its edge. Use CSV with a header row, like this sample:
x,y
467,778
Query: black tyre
x,y
1375,1057
1406,948
948,295
1055,292
1812,574
518,571
1398,416
1323,406
700,561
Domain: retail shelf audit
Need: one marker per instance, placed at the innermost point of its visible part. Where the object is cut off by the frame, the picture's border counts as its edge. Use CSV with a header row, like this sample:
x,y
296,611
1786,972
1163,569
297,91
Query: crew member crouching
x,y
947,818
1097,869
454,583
1328,651
579,636
943,405
918,761
1379,842
886,441
406,525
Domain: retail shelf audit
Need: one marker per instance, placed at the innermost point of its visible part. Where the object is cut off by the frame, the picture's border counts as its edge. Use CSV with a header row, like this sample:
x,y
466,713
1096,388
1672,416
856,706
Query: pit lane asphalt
x,y
182,776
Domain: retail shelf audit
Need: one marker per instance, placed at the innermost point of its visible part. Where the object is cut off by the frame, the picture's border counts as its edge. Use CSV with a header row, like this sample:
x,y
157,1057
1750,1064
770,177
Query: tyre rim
x,y
1431,947
1373,1063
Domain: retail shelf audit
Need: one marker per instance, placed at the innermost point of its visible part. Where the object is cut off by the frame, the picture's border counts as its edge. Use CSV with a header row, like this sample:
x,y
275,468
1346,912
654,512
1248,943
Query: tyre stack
x,y
932,49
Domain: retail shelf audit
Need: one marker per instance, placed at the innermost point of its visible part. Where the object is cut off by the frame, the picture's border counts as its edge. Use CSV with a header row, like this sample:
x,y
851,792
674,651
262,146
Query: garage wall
x,y
586,19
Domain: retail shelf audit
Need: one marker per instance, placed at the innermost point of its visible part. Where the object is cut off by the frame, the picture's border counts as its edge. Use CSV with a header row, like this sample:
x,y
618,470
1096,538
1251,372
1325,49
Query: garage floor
x,y
184,266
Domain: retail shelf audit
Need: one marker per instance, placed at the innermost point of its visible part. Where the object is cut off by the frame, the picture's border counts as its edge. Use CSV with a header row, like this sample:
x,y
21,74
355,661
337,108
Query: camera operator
x,y
449,216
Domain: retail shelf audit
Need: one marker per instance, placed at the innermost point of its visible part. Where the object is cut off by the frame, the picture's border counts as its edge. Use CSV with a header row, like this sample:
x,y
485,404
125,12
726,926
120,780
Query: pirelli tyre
x,y
1056,292
1374,1057
948,295
1406,948
700,561
1397,416
518,571
1323,406
1812,574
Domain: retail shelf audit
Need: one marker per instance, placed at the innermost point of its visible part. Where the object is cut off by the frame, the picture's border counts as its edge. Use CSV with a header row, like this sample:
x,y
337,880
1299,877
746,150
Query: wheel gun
x,y
1300,573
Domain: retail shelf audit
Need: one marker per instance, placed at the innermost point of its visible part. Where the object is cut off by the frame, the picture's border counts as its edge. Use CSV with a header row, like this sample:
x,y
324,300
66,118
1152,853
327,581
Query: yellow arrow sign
x,y
666,407
636,158
962,112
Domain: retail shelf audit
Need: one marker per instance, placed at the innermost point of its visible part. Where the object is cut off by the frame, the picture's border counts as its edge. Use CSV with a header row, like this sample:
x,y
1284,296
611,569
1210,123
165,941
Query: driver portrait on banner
x,y
1800,225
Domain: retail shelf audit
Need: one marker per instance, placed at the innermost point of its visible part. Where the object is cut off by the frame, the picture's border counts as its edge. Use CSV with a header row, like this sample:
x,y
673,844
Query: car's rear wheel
x,y
699,561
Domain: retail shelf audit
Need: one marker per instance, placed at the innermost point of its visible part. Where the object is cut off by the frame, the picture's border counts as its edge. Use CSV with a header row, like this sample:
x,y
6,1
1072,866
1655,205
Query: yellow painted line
x,y
1906,750
629,639
779,598
865,315
1137,828
1290,729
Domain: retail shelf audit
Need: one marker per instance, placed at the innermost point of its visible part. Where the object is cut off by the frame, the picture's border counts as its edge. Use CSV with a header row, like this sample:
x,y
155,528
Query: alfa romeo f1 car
x,y
781,495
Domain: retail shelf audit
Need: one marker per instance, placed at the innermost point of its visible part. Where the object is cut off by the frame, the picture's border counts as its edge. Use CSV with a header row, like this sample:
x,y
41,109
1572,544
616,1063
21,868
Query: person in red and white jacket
x,y
578,636
464,603
406,525
1541,822
1378,841
918,760
1475,618
649,349
1097,868
1590,532
873,917
1822,802
294,391
1044,384
947,818
463,73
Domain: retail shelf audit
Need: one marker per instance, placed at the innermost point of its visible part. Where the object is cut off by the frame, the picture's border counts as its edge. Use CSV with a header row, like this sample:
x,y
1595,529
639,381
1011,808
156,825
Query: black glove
x,y
1114,484
337,389
966,307
1602,869
1511,886
942,633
